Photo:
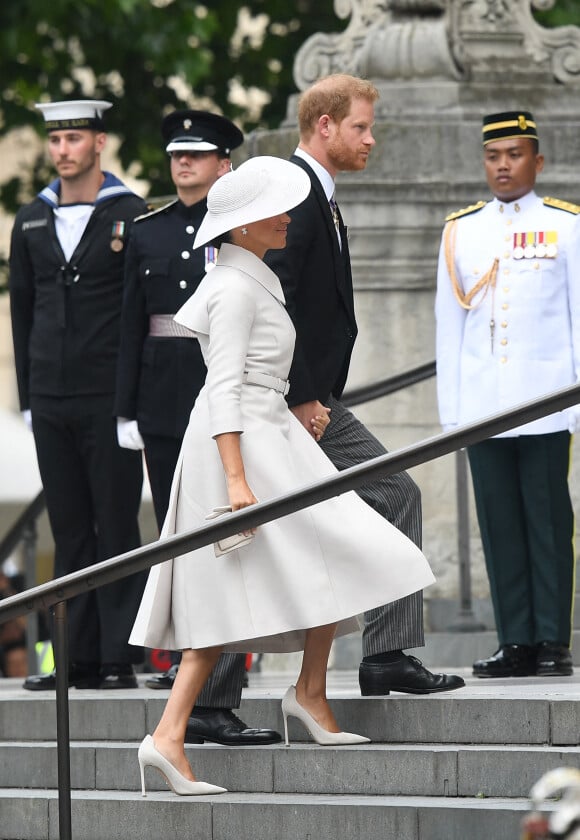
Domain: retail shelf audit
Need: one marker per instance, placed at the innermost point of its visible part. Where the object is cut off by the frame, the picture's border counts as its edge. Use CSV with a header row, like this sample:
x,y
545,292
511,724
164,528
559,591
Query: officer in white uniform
x,y
508,330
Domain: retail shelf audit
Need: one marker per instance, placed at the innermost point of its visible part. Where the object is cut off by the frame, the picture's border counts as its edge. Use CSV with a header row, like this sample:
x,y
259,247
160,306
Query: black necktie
x,y
335,217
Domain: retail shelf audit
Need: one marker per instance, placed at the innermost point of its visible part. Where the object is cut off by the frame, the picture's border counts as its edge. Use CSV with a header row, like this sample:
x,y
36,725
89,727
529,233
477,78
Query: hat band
x,y
509,124
92,123
509,129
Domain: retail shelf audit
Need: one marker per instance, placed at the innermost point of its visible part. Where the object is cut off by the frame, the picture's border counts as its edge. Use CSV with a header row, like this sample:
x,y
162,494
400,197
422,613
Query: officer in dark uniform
x,y
66,284
161,369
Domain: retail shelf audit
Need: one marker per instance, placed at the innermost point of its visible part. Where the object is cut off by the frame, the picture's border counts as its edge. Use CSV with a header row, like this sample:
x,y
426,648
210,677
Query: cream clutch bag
x,y
228,543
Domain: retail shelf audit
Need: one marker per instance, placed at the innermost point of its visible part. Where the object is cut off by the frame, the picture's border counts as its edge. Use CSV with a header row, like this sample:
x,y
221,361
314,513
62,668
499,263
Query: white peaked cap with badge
x,y
74,113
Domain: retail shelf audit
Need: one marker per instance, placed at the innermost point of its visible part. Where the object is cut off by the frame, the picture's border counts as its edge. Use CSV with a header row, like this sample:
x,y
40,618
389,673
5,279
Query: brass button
x,y
517,207
501,208
504,324
507,255
503,360
503,342
476,272
508,221
506,271
505,306
508,237
536,265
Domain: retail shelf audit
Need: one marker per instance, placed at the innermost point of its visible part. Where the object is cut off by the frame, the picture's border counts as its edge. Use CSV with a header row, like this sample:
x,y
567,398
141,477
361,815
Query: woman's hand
x,y
319,423
240,496
239,493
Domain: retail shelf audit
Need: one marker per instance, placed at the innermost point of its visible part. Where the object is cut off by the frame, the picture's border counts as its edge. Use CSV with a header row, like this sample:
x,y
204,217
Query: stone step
x,y
119,815
529,711
451,770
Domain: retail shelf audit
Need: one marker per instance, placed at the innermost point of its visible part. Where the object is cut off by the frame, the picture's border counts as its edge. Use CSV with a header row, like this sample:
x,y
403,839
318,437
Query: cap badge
x,y
187,124
522,122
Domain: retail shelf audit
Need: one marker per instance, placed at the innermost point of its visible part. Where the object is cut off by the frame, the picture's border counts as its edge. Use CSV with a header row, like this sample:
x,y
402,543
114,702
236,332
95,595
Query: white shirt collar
x,y
323,175
511,208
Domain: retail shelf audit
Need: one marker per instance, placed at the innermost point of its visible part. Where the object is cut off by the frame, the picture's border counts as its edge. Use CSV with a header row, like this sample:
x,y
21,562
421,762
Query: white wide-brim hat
x,y
261,187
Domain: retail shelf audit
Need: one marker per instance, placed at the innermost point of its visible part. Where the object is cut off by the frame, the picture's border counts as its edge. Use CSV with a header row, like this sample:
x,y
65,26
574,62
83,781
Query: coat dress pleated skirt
x,y
328,563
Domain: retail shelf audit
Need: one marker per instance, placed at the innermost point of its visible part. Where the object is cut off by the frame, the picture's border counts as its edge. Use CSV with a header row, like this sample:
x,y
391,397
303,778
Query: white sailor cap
x,y
74,114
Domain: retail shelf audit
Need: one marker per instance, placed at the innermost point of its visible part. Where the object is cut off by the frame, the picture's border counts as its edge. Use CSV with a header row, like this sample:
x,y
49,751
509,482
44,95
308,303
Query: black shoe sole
x,y
199,739
158,686
509,676
371,692
555,672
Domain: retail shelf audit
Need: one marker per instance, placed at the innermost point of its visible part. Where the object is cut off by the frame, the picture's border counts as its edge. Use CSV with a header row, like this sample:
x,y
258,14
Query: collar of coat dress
x,y
193,313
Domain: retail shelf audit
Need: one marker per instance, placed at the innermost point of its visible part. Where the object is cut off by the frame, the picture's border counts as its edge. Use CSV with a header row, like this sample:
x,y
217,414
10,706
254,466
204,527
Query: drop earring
x,y
244,231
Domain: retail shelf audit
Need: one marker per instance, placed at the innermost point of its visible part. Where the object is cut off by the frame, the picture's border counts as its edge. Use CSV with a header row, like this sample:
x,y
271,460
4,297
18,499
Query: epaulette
x,y
155,211
473,208
562,205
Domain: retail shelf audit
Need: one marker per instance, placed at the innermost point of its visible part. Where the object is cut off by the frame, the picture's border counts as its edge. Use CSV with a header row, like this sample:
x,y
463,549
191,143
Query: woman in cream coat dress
x,y
303,578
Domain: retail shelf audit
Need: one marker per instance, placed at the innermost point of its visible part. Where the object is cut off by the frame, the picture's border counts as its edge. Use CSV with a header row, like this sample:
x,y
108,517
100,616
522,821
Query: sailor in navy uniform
x,y
508,331
66,286
161,369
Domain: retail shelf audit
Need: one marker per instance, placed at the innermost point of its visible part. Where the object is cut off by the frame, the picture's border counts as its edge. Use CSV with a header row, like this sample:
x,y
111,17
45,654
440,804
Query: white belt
x,y
266,381
163,326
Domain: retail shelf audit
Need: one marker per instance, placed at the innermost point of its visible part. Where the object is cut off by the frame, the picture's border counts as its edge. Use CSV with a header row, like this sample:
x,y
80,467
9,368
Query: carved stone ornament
x,y
441,40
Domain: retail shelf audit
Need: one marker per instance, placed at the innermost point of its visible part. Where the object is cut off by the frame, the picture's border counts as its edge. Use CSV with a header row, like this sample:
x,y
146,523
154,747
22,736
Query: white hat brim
x,y
260,188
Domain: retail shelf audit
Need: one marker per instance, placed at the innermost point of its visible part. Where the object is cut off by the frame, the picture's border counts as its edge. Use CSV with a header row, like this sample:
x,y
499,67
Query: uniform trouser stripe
x,y
527,527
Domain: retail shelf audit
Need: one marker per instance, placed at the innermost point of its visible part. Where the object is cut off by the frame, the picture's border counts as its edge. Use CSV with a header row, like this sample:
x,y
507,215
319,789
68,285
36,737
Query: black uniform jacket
x,y
66,316
317,282
159,378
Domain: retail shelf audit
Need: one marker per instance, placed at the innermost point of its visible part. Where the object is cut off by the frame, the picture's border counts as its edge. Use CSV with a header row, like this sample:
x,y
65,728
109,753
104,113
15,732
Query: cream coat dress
x,y
325,564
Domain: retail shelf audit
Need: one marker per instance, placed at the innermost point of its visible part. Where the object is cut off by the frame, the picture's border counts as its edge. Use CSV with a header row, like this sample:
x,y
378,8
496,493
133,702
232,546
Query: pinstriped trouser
x,y
347,442
395,626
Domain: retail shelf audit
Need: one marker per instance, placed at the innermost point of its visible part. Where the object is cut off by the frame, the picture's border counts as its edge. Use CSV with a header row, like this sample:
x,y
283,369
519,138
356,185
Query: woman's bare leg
x,y
169,736
311,683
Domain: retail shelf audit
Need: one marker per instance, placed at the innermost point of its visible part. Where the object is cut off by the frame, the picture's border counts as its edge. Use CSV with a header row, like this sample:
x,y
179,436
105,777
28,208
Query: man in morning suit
x,y
161,369
335,118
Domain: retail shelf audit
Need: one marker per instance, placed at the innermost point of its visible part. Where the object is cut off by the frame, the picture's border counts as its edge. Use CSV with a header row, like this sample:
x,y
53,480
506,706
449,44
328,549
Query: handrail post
x,y
62,720
29,541
465,621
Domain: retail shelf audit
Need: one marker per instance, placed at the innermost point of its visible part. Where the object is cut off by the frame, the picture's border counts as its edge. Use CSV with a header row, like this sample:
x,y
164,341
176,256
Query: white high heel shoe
x,y
292,708
149,756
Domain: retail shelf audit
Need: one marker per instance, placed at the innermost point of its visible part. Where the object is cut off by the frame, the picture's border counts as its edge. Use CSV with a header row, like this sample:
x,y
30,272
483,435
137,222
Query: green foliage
x,y
564,12
147,57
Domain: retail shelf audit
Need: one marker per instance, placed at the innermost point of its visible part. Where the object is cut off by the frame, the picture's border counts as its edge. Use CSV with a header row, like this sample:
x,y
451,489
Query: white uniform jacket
x,y
534,345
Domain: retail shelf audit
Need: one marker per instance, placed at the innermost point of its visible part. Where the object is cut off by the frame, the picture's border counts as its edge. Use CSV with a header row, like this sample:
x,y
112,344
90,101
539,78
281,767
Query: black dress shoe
x,y
406,674
117,675
165,680
222,726
553,660
79,676
508,661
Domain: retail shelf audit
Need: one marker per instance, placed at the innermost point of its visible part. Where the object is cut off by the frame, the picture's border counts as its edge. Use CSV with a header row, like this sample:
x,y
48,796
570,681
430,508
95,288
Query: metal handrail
x,y
58,591
140,559
10,541
384,387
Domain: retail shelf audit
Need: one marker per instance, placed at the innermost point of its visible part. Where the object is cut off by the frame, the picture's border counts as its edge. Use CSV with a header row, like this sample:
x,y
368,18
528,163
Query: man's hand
x,y
128,434
314,417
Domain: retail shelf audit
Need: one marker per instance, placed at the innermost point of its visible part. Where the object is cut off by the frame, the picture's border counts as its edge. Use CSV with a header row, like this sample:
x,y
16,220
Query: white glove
x,y
573,415
128,434
27,417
